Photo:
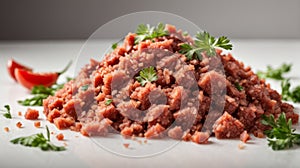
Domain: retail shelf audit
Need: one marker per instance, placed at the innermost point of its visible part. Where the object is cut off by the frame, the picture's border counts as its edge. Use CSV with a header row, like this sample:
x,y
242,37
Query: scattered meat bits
x,y
126,145
6,129
242,110
244,137
19,124
37,124
31,114
60,136
241,146
200,137
19,113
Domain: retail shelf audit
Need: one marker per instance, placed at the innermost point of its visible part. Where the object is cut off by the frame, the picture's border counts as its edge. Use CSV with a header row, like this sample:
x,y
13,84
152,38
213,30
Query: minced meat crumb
x,y
168,99
241,146
6,129
19,124
126,145
244,137
60,136
31,114
19,113
37,124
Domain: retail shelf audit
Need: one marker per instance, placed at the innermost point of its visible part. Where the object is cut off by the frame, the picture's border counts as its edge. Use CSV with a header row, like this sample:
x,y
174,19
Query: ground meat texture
x,y
170,106
19,124
200,137
227,127
37,124
31,114
60,136
176,133
154,131
244,137
6,129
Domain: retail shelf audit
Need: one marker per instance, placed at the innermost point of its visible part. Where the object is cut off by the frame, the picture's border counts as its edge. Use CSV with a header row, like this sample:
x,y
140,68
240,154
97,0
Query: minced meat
x,y
173,105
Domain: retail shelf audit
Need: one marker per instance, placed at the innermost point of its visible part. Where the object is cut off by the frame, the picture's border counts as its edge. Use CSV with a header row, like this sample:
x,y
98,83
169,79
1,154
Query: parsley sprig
x,y
7,113
206,43
147,75
281,135
275,73
108,102
40,93
287,93
145,32
238,86
39,141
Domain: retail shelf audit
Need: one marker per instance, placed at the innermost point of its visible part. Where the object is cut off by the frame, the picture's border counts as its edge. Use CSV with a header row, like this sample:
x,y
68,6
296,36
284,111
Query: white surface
x,y
82,152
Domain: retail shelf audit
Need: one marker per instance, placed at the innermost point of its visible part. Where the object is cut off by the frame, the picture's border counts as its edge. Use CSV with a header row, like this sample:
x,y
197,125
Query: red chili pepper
x,y
29,79
12,65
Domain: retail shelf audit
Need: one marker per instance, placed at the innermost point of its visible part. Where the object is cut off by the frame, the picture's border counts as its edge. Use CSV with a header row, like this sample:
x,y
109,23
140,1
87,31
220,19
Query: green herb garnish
x,y
238,86
40,93
281,135
114,46
204,43
39,141
85,87
275,73
7,113
108,102
147,75
287,93
145,32
185,33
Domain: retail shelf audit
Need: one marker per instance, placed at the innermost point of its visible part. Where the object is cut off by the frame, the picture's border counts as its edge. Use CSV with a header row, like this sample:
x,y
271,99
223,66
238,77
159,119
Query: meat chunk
x,y
227,127
31,114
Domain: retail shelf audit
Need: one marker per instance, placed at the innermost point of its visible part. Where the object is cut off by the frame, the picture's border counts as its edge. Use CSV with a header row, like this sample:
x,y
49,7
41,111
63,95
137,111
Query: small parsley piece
x,y
84,87
145,32
275,73
108,102
40,93
281,135
7,114
147,75
287,93
185,33
39,141
238,86
114,46
204,43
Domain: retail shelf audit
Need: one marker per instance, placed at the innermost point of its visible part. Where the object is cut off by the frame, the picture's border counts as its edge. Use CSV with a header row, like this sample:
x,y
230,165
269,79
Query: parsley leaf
x,y
147,75
274,73
114,46
238,86
145,32
39,141
84,87
40,93
287,93
7,114
281,135
108,102
206,43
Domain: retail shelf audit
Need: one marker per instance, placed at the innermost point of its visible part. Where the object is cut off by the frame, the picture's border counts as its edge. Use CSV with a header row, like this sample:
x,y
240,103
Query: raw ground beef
x,y
173,105
31,114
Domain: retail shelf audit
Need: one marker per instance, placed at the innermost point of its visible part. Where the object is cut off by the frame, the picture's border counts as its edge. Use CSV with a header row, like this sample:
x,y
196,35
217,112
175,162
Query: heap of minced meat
x,y
103,98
